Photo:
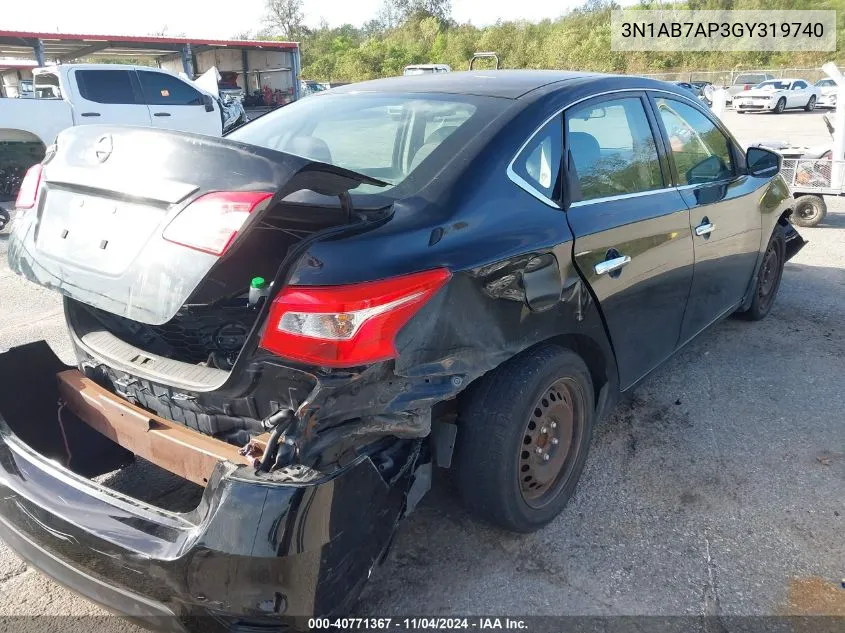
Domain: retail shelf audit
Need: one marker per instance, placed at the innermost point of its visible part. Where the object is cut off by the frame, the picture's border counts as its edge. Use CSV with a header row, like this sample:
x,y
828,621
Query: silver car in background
x,y
746,81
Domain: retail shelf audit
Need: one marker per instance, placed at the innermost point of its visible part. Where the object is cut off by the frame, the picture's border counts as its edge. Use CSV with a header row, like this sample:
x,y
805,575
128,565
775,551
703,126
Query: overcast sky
x,y
218,19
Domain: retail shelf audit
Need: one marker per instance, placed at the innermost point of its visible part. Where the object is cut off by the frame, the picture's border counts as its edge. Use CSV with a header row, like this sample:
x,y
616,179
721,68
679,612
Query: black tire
x,y
532,416
781,105
808,210
768,278
811,104
740,111
4,218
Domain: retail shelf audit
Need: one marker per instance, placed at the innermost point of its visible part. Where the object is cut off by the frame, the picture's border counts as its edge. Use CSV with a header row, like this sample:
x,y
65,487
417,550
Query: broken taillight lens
x,y
211,222
346,326
28,193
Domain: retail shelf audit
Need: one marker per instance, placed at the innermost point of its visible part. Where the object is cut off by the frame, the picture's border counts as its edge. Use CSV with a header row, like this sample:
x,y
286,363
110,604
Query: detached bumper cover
x,y
253,551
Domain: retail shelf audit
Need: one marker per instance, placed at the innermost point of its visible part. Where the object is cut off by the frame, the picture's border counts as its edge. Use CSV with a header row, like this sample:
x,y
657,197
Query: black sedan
x,y
303,319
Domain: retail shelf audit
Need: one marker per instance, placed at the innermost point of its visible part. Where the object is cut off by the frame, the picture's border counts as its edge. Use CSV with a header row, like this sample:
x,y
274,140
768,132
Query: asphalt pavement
x,y
716,488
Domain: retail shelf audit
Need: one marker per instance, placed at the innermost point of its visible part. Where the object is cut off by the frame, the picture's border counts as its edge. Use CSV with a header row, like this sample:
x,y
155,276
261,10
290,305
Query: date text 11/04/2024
x,y
419,623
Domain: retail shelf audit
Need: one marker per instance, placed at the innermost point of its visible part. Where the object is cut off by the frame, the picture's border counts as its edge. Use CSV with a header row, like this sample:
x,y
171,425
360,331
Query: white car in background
x,y
827,89
426,69
777,95
69,95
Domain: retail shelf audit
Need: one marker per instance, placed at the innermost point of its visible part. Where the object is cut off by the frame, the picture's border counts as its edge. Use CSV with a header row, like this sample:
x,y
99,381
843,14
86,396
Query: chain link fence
x,y
727,77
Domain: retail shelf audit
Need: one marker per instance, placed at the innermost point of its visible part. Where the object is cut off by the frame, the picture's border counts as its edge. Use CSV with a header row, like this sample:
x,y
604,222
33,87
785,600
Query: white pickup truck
x,y
80,94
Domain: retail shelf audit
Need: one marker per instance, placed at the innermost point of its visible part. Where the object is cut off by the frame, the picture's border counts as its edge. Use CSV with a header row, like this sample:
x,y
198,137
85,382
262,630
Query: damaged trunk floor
x,y
156,486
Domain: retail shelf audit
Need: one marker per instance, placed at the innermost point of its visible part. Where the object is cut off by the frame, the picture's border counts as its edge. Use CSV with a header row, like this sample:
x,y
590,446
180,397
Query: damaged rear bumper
x,y
253,552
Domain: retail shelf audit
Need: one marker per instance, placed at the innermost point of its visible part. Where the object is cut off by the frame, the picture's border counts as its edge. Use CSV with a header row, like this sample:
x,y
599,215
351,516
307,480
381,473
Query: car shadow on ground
x,y
791,112
831,221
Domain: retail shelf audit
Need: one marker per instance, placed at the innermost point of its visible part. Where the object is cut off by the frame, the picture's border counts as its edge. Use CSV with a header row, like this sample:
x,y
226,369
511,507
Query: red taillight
x,y
345,326
28,193
211,222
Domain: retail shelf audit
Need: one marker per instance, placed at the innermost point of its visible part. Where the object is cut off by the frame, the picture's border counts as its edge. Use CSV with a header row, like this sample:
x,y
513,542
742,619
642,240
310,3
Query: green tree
x,y
285,18
422,31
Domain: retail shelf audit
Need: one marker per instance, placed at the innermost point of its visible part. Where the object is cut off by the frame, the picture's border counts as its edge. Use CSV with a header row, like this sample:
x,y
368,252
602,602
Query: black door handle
x,y
161,114
90,114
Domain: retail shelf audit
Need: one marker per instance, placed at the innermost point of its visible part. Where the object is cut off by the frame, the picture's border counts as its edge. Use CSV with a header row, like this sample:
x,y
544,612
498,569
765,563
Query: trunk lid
x,y
107,193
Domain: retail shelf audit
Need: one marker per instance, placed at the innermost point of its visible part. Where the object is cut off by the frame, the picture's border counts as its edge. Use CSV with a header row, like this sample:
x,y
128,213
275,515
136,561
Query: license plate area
x,y
96,233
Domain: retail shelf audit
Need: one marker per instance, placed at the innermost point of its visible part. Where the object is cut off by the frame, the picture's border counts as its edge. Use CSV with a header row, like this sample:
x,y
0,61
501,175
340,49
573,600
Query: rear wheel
x,y
523,437
781,105
809,210
811,104
768,278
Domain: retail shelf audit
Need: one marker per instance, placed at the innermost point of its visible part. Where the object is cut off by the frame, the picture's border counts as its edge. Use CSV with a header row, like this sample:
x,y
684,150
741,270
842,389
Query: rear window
x,y
47,86
386,136
750,79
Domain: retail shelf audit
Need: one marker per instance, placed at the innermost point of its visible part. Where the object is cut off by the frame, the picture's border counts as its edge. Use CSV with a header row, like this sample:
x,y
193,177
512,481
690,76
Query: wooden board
x,y
174,447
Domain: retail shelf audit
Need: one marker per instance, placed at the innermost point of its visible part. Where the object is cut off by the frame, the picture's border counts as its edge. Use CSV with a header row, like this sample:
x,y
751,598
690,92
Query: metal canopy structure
x,y
67,47
16,64
47,48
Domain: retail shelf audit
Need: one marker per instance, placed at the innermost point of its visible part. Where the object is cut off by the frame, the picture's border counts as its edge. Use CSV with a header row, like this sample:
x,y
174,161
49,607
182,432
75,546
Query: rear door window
x,y
164,89
106,86
700,150
613,148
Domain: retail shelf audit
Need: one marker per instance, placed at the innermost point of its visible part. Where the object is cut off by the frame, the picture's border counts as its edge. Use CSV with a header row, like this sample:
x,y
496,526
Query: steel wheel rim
x,y
768,276
550,442
808,211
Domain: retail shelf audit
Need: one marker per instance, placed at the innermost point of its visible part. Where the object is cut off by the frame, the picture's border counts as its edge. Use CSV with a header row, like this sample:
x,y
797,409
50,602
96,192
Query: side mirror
x,y
208,102
762,162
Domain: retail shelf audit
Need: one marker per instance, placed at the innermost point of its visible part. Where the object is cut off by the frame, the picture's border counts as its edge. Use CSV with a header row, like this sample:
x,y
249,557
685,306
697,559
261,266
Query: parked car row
x,y
776,95
703,90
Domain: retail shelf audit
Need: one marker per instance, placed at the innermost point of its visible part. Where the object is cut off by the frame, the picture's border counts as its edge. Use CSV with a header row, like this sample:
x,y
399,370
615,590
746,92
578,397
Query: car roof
x,y
509,84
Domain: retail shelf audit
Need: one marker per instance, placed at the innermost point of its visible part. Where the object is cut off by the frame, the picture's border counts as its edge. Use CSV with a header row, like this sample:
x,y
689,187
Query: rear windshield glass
x,y
750,79
386,136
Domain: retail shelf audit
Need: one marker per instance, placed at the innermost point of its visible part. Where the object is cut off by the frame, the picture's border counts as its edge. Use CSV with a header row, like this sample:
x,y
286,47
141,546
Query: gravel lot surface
x,y
715,489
